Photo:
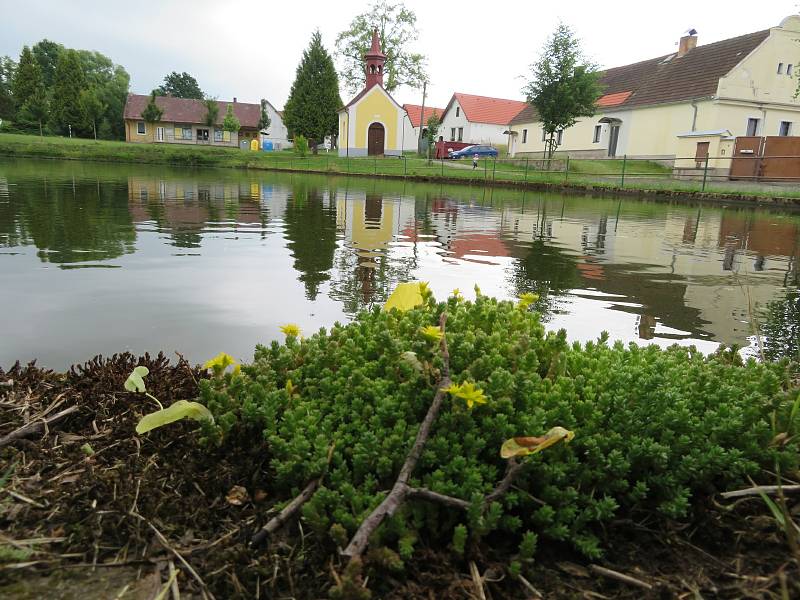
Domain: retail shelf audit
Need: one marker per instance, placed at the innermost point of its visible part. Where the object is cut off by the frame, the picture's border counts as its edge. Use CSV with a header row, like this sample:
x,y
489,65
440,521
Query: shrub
x,y
653,428
300,146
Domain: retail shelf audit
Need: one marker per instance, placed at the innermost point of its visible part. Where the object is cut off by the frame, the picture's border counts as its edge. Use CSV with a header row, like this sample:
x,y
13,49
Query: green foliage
x,y
264,121
397,30
47,53
563,85
230,122
68,82
300,145
314,98
212,111
180,85
92,108
27,78
781,327
432,128
654,429
7,70
459,538
152,113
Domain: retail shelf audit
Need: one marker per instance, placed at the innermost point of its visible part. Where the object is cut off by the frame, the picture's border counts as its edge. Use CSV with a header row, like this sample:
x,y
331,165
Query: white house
x,y
416,120
276,132
478,119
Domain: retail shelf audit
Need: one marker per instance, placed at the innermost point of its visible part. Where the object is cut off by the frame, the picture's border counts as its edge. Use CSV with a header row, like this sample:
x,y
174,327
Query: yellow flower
x,y
290,388
467,392
457,294
291,330
526,299
431,332
220,362
477,291
425,290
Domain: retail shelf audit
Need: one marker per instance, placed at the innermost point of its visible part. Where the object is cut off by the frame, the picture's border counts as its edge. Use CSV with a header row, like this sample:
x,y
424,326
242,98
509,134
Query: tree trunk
x,y
94,128
41,132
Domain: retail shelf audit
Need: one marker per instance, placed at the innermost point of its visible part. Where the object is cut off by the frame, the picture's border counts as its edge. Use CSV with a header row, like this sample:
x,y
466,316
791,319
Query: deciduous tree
x,y
92,107
314,98
180,85
7,70
563,85
397,29
264,121
230,122
47,53
212,111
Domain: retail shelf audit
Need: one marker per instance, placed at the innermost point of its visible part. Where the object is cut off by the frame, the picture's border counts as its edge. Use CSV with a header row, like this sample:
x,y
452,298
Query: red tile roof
x,y
613,99
187,110
483,109
414,111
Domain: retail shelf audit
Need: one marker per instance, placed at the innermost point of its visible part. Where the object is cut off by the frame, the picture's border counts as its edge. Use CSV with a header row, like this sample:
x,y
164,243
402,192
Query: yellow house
x,y
371,124
685,103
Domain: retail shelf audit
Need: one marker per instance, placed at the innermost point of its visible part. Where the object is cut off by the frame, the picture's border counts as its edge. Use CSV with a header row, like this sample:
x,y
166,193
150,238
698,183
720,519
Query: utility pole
x,y
422,117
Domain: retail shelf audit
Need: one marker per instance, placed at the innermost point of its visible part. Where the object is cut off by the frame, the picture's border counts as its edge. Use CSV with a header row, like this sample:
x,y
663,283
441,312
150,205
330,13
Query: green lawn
x,y
638,174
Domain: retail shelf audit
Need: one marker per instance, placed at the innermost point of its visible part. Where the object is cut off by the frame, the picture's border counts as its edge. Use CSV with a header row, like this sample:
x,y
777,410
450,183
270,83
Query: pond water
x,y
99,258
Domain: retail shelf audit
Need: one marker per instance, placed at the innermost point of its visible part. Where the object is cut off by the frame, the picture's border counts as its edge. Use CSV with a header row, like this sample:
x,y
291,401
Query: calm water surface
x,y
98,259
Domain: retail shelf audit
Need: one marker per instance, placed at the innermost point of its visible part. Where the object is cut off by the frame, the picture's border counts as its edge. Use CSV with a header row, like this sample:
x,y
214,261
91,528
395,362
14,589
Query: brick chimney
x,y
688,42
234,99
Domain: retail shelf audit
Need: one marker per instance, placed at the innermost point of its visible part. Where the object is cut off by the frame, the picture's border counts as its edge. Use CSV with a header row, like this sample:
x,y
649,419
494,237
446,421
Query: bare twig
x,y
400,489
529,586
759,489
477,579
287,513
426,494
276,522
35,427
611,574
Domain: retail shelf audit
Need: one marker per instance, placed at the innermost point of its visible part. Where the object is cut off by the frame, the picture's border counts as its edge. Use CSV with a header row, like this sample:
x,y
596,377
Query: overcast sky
x,y
250,48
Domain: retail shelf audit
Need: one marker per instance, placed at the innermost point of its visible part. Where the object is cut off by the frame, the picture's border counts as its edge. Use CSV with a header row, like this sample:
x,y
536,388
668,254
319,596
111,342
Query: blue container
x,y
266,146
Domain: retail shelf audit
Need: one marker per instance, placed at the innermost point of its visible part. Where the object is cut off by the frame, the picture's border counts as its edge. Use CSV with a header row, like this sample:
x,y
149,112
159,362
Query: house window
x,y
141,128
458,111
452,134
785,129
544,135
524,136
780,68
789,69
218,135
202,135
598,129
559,136
187,133
460,134
752,126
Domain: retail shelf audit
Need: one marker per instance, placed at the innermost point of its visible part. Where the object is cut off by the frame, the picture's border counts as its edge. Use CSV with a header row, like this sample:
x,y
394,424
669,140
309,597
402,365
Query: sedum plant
x,y
653,429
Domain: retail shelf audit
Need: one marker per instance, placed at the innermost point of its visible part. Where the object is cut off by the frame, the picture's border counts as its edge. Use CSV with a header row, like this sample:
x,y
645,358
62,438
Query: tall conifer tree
x,y
314,98
68,83
27,79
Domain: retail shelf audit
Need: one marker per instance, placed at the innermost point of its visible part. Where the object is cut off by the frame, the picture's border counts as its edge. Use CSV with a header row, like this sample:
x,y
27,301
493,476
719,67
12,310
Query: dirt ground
x,y
125,515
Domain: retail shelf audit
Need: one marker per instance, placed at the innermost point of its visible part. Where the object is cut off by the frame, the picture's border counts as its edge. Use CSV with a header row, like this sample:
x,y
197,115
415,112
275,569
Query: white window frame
x,y
544,134
757,122
598,133
559,136
460,134
218,135
185,130
143,128
160,134
788,125
452,134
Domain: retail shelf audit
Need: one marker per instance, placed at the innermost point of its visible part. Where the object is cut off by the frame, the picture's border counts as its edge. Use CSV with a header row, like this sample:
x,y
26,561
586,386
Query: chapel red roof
x,y
189,110
483,109
415,111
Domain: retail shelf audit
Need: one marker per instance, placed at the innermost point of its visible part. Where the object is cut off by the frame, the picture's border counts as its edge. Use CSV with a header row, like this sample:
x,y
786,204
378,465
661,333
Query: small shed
x,y
698,151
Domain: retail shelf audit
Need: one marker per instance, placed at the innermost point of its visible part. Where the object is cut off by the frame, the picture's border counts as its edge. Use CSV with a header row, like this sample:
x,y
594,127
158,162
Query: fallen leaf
x,y
135,381
182,409
523,446
237,495
404,297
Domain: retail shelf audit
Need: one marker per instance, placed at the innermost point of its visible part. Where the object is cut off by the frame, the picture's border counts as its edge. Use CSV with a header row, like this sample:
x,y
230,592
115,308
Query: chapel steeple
x,y
375,61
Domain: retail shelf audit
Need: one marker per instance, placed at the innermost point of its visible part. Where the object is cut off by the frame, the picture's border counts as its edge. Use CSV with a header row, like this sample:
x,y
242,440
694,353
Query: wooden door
x,y
746,157
781,160
613,138
375,139
701,154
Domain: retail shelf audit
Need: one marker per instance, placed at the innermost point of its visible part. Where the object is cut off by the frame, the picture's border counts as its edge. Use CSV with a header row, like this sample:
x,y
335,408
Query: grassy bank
x,y
595,176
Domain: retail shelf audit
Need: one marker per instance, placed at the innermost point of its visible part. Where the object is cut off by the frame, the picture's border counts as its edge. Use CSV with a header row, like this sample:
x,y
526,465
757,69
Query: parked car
x,y
471,151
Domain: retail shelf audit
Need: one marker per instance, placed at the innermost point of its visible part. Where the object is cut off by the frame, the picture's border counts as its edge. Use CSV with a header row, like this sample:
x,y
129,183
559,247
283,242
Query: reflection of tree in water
x,y
781,329
311,235
69,221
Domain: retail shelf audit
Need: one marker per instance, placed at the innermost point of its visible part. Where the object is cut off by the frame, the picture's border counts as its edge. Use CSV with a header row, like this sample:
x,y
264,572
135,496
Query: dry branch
x,y
35,426
759,489
400,490
611,574
287,513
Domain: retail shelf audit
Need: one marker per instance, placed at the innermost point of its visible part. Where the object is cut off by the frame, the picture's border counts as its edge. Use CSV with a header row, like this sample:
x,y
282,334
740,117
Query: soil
x,y
115,518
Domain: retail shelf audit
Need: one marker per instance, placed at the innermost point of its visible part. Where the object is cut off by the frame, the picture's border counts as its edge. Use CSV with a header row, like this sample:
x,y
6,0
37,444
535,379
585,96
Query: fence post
x,y
441,160
494,168
566,170
526,169
705,174
485,168
624,164
375,172
405,166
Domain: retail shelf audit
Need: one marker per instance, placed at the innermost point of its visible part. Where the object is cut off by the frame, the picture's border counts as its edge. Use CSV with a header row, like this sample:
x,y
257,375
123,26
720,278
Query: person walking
x,y
475,161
